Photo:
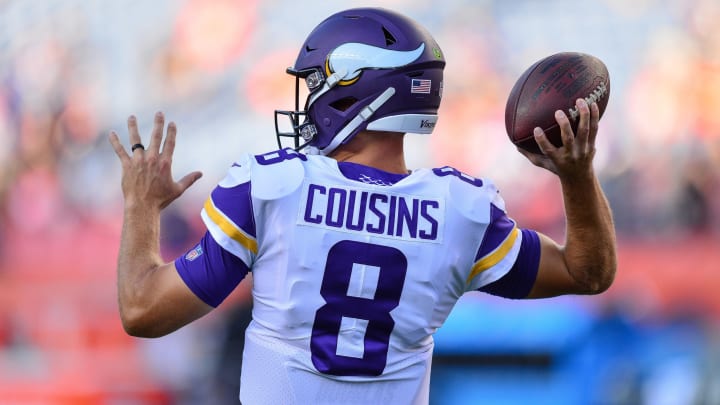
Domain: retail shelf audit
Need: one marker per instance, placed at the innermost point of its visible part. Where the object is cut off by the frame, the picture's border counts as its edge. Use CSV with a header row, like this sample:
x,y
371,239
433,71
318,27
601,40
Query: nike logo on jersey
x,y
368,212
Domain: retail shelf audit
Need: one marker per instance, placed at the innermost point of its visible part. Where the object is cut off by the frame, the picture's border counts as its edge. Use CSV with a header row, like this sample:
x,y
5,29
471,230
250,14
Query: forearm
x,y
153,298
138,258
590,244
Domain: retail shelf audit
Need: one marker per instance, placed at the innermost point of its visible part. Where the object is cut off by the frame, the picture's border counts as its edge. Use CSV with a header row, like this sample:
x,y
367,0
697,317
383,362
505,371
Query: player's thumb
x,y
188,180
538,160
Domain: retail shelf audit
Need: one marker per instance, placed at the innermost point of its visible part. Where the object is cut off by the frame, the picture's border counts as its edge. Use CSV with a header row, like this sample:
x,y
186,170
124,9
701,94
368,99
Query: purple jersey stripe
x,y
498,230
236,204
210,271
369,175
518,282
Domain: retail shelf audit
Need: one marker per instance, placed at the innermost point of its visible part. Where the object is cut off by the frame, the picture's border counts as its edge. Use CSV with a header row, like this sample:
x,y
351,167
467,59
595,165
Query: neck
x,y
381,150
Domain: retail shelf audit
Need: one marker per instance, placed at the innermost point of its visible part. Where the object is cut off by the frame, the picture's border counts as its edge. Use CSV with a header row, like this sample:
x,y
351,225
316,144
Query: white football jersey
x,y
352,276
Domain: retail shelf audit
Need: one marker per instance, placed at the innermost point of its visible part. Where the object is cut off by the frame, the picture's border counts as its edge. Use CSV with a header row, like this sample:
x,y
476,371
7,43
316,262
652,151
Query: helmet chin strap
x,y
328,84
362,116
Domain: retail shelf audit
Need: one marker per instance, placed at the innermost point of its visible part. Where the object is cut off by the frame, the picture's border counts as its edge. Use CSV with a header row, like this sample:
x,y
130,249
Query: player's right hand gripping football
x,y
146,174
576,155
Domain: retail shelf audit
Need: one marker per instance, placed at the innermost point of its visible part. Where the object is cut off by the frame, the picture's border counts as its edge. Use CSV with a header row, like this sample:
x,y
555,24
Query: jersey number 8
x,y
340,303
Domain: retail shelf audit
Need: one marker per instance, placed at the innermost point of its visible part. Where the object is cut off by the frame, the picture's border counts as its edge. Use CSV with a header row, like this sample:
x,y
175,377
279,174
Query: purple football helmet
x,y
365,69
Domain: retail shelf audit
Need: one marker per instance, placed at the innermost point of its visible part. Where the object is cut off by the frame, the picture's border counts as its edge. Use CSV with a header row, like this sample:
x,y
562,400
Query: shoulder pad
x,y
238,173
469,195
276,174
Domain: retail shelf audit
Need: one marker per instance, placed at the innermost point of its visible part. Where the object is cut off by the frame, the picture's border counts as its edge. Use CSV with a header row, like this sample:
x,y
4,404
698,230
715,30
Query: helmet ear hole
x,y
389,38
343,103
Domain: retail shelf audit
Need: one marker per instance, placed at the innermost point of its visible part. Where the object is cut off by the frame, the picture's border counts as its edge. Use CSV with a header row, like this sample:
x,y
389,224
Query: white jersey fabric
x,y
352,279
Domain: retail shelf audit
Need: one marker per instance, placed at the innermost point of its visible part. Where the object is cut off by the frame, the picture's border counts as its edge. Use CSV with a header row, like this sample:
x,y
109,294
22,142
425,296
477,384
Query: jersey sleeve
x,y
504,248
498,249
228,213
224,256
518,282
210,271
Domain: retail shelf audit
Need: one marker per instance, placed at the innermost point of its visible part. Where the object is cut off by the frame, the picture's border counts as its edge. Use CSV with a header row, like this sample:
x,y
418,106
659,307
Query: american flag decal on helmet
x,y
420,86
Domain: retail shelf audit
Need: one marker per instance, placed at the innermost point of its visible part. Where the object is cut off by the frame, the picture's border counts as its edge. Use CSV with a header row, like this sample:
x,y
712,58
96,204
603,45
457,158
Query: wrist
x,y
135,206
578,178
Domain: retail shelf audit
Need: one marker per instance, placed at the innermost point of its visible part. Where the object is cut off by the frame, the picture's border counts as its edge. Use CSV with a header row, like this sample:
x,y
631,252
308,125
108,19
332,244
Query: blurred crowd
x,y
71,70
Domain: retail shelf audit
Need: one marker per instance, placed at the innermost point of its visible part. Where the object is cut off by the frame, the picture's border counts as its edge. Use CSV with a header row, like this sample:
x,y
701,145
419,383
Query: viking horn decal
x,y
353,58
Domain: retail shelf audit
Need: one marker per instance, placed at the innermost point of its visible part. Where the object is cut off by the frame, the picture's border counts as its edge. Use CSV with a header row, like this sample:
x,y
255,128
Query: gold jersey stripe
x,y
230,229
494,257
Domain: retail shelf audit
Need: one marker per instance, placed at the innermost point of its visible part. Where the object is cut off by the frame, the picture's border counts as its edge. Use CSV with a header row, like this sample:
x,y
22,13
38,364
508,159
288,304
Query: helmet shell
x,y
360,54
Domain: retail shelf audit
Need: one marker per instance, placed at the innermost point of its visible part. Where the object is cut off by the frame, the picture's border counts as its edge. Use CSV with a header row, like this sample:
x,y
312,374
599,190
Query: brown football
x,y
550,84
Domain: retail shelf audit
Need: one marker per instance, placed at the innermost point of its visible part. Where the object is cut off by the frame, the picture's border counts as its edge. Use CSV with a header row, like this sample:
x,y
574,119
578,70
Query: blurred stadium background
x,y
71,70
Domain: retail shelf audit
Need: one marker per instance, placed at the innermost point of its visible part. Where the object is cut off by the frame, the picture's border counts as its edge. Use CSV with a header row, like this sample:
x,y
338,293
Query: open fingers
x,y
134,135
188,180
157,133
118,148
156,138
169,146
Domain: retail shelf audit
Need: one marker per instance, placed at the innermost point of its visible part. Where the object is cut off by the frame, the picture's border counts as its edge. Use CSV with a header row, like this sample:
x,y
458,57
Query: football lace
x,y
596,95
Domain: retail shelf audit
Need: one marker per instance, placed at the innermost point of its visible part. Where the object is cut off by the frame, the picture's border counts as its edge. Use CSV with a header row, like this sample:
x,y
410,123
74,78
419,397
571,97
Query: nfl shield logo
x,y
194,254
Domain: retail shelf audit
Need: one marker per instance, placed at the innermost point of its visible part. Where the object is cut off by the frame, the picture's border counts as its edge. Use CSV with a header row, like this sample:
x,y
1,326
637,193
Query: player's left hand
x,y
146,173
574,157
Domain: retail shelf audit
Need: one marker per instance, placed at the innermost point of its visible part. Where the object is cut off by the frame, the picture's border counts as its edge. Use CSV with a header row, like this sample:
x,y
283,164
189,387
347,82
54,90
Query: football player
x,y
356,260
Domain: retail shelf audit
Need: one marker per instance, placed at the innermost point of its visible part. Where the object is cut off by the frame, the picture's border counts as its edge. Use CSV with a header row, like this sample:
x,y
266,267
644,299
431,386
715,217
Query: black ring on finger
x,y
137,146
